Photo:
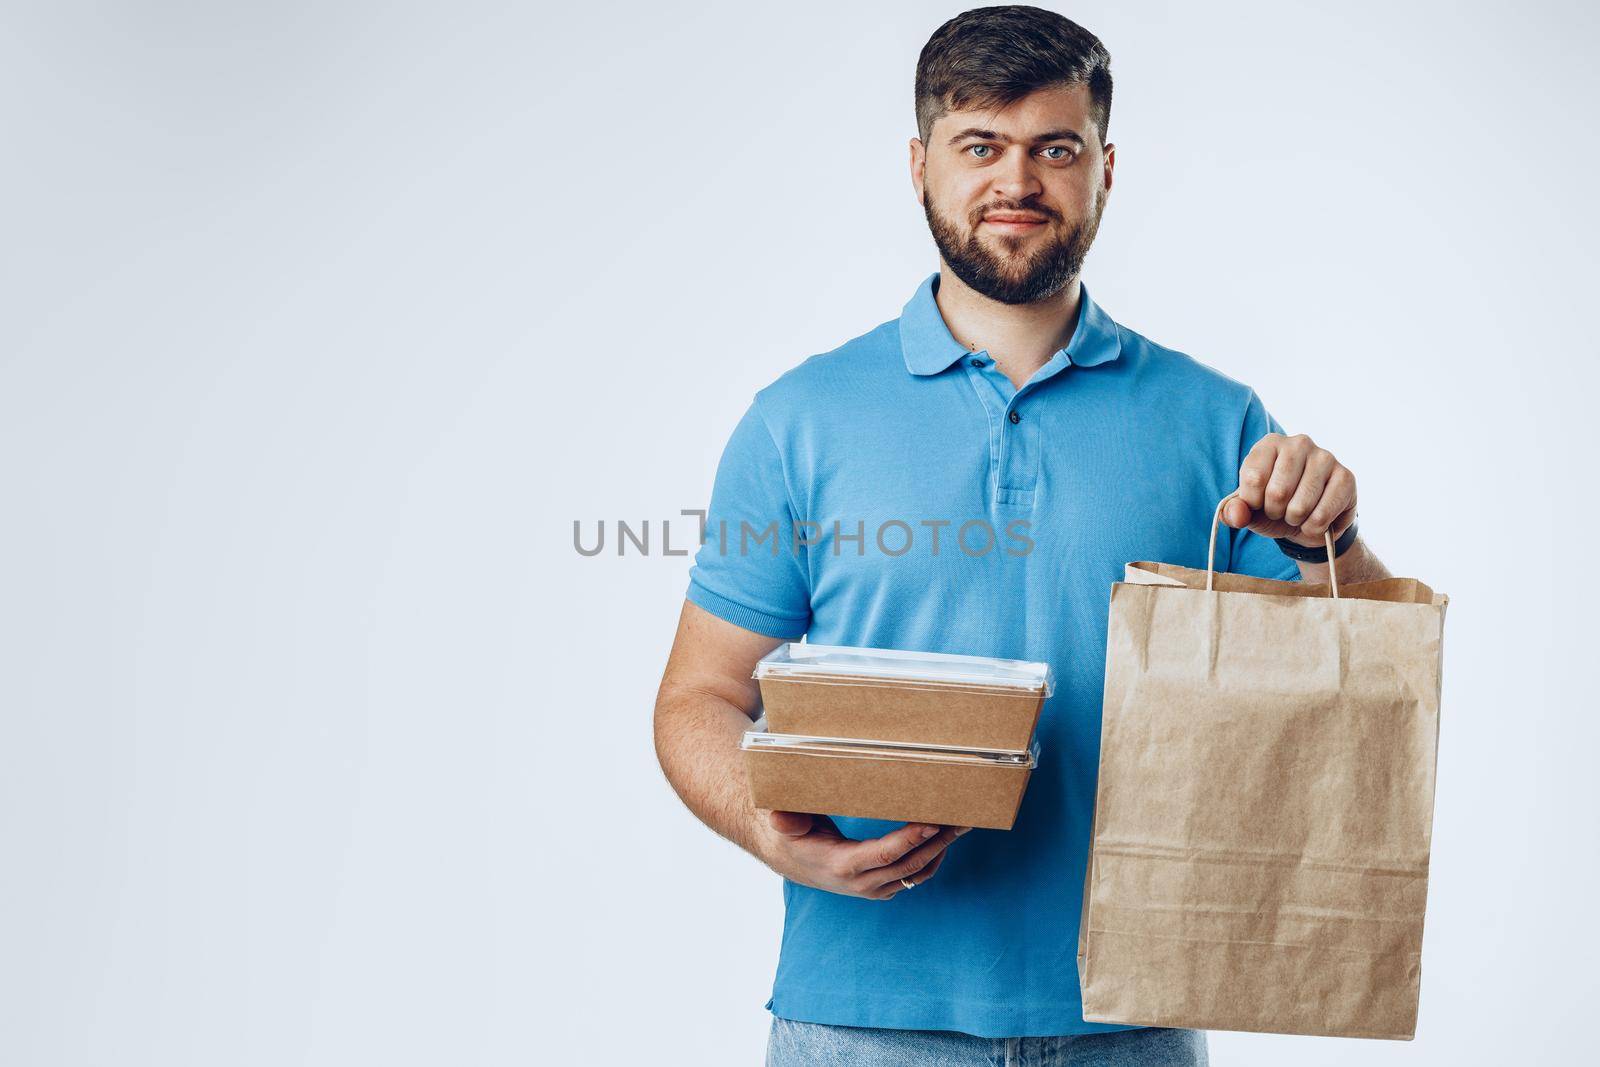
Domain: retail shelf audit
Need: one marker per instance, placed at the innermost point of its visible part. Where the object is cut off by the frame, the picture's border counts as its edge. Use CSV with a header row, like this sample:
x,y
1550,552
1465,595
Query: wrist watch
x,y
1295,550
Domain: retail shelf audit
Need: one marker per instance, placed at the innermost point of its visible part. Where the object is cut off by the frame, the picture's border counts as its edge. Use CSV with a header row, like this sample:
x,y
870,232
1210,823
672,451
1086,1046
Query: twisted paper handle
x,y
1211,552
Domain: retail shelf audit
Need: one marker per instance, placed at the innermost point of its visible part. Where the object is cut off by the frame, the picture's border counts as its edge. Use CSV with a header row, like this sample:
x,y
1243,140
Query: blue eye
x,y
1058,148
981,147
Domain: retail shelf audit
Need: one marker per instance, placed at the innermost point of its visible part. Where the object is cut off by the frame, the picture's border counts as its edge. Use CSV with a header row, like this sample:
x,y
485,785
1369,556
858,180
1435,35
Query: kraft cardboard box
x,y
905,783
928,698
890,734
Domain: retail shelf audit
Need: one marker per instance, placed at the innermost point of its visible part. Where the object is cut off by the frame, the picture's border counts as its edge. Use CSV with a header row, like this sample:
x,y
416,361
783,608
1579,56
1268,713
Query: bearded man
x,y
1003,393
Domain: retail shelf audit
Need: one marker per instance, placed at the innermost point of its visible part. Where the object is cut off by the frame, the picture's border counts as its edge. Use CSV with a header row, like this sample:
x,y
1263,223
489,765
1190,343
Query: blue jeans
x,y
797,1044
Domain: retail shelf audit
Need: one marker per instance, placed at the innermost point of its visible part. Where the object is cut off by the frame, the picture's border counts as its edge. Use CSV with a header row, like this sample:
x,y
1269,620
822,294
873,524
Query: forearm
x,y
697,736
1358,564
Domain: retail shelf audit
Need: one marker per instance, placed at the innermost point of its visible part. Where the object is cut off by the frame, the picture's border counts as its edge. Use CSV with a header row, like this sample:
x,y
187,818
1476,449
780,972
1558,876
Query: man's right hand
x,y
809,849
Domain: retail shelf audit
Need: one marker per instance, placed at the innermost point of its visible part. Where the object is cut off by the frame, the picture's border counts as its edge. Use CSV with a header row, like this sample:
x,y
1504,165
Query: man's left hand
x,y
1288,487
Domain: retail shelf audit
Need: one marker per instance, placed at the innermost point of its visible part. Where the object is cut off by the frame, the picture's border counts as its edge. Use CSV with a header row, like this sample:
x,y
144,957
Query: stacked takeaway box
x,y
878,733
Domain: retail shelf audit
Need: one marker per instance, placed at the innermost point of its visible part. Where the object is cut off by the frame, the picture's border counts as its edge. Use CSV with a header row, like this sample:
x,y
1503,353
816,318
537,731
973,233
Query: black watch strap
x,y
1295,550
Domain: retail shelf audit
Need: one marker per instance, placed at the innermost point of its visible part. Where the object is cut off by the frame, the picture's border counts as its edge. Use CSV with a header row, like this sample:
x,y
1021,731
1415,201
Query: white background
x,y
323,322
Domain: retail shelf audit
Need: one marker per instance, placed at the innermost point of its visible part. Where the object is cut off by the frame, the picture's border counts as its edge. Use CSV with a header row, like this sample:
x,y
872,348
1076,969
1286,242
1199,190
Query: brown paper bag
x,y
1260,845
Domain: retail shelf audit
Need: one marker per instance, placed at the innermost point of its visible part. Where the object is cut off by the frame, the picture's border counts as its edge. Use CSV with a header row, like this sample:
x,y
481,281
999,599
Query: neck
x,y
1020,338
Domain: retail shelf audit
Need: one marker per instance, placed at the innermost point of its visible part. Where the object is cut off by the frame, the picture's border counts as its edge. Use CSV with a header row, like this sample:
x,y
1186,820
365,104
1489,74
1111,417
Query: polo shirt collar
x,y
929,347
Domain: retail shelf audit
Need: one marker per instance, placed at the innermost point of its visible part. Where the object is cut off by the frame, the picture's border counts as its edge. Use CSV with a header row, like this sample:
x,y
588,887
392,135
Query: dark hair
x,y
990,57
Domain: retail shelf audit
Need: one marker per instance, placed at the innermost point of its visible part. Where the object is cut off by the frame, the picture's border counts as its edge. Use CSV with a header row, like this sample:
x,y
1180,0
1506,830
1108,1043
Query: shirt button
x,y
1016,417
980,363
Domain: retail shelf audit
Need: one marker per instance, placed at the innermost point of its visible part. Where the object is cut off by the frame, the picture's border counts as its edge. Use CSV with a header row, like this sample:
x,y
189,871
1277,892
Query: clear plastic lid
x,y
759,737
800,660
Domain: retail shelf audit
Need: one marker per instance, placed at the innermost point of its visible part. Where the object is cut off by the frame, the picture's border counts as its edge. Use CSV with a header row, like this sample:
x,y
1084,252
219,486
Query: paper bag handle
x,y
1211,551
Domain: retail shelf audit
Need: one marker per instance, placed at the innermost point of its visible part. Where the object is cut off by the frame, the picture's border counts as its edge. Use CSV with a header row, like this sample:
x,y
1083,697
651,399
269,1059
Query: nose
x,y
1015,177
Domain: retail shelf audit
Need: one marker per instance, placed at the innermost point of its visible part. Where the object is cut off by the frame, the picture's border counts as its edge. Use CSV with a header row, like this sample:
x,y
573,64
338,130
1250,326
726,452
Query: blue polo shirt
x,y
899,492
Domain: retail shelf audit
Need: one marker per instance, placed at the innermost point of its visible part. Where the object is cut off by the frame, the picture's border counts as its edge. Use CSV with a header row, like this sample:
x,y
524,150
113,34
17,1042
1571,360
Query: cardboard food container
x,y
872,779
926,698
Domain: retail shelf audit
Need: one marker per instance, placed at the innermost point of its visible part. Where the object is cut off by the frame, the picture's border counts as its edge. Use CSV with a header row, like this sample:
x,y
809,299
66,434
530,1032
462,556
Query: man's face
x,y
1013,197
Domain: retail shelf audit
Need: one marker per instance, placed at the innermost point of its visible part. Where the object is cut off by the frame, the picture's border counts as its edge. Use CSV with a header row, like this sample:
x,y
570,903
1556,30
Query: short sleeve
x,y
749,570
1249,552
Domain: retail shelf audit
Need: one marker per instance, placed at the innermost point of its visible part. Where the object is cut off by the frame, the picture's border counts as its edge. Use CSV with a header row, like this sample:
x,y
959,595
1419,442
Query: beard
x,y
1045,273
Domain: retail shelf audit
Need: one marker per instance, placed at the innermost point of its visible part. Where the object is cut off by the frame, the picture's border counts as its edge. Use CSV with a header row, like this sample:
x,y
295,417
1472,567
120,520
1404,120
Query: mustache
x,y
1024,208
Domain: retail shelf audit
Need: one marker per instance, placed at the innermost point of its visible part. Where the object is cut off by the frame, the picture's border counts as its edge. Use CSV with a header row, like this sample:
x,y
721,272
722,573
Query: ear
x,y
1111,164
919,160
